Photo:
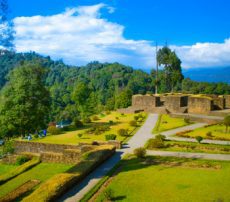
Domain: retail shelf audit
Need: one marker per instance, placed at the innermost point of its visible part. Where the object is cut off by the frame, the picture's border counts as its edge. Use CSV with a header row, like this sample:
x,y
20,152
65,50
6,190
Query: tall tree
x,y
172,67
6,27
24,104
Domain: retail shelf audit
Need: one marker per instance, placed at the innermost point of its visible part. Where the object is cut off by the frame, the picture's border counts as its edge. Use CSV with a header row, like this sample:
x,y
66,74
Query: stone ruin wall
x,y
199,105
145,102
175,103
53,153
227,101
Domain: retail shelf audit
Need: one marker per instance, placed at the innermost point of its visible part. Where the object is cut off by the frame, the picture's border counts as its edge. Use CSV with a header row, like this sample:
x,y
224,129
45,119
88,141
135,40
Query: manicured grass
x,y
170,179
71,137
192,147
217,132
4,168
41,172
165,122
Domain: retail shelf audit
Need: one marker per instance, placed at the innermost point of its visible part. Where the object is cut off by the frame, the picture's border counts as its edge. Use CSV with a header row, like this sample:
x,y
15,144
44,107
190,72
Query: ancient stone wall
x,y
227,101
218,103
174,103
37,147
200,105
145,101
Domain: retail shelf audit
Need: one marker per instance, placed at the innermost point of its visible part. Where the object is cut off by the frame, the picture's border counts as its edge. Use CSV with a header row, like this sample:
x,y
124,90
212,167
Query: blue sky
x,y
198,30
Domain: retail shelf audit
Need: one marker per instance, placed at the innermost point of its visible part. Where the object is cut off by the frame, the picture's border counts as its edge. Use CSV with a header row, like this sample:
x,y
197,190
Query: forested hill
x,y
108,86
112,84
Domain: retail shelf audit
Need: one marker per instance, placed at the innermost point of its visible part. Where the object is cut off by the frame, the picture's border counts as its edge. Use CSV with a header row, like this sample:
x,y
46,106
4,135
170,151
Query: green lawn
x,y
6,167
192,147
165,122
217,133
161,179
71,137
42,172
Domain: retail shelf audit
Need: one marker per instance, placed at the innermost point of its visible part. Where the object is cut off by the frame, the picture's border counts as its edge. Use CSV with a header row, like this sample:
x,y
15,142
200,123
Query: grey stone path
x,y
138,140
222,157
169,135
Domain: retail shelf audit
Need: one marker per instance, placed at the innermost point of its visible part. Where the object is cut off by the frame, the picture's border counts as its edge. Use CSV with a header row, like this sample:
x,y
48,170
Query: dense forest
x,y
82,91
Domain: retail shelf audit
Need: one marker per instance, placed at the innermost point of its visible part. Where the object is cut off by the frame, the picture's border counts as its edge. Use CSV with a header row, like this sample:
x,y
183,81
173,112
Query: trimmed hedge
x,y
20,169
60,183
20,191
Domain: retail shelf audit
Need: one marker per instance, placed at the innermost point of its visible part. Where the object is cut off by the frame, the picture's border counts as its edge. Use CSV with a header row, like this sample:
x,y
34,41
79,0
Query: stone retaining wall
x,y
200,105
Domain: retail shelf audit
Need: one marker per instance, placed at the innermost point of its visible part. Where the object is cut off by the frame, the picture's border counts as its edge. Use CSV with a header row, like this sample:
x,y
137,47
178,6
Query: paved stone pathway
x,y
222,157
169,135
138,140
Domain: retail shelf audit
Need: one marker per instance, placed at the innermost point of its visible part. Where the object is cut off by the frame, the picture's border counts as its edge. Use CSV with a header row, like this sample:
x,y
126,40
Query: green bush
x,y
187,120
80,135
133,123
199,139
123,132
160,137
136,117
86,120
110,137
110,122
77,123
53,130
8,147
209,134
22,159
155,143
108,112
140,152
95,118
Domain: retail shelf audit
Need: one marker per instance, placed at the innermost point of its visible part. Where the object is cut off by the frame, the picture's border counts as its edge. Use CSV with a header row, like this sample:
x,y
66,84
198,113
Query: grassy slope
x,y
160,183
4,168
72,138
218,132
41,172
167,123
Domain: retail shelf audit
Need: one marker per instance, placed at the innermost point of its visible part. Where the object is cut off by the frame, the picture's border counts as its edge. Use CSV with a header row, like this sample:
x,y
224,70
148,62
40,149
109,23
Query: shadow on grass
x,y
118,198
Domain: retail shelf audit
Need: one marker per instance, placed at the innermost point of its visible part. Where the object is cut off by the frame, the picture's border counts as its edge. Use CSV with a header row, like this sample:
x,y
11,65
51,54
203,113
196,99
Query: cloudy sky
x,y
80,31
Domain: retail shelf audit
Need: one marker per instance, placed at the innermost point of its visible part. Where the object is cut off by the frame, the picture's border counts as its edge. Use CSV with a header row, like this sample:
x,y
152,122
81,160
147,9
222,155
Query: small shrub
x,y
8,147
109,194
133,123
136,118
108,112
209,134
95,118
160,137
117,117
86,120
53,130
187,120
122,114
110,137
140,152
199,139
80,135
77,123
110,122
36,135
123,132
156,143
22,159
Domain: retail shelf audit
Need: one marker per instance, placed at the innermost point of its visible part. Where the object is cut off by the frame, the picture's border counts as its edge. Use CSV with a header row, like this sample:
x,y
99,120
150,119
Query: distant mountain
x,y
220,74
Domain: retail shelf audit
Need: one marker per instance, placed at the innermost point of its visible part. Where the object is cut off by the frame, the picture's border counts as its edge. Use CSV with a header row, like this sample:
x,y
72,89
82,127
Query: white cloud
x,y
80,35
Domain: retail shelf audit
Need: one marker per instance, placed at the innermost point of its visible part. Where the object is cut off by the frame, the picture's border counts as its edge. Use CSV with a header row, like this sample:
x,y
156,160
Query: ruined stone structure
x,y
200,105
179,103
58,153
